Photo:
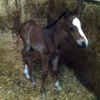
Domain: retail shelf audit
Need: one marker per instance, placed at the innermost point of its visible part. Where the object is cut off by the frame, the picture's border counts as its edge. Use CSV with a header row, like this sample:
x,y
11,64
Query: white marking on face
x,y
26,71
76,22
57,85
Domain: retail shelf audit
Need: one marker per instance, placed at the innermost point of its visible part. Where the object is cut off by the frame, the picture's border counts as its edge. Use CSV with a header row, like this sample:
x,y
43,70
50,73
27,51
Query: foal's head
x,y
74,25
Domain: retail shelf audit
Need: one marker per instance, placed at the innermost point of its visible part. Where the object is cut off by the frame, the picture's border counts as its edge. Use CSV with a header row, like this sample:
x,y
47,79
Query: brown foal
x,y
48,41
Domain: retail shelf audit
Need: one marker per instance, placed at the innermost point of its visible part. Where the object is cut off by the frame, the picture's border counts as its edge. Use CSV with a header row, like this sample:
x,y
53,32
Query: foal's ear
x,y
76,11
67,11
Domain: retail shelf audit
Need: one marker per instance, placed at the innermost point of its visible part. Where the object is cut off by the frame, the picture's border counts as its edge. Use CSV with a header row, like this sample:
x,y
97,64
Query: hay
x,y
14,12
86,63
14,86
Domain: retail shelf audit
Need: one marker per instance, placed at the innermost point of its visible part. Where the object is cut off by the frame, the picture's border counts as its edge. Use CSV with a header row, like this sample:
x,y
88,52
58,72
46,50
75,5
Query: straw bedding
x,y
14,86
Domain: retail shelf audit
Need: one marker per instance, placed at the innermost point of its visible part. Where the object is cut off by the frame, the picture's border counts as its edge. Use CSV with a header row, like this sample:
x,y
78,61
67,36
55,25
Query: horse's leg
x,y
45,69
55,72
51,71
27,63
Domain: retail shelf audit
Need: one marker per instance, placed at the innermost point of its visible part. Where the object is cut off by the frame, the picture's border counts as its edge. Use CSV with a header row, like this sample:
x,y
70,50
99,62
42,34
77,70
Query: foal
x,y
48,41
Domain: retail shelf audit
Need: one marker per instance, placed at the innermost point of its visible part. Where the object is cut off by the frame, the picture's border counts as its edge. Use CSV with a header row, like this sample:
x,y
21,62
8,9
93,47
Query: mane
x,y
69,13
53,23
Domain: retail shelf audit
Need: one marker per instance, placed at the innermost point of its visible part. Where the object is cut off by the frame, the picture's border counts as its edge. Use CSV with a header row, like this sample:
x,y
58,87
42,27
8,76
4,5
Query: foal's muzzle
x,y
82,43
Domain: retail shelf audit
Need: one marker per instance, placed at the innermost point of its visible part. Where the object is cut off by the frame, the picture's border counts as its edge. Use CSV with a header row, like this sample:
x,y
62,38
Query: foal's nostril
x,y
83,44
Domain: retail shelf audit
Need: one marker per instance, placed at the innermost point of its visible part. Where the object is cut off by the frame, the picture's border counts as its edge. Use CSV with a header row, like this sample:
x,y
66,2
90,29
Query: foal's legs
x,y
27,63
45,69
54,72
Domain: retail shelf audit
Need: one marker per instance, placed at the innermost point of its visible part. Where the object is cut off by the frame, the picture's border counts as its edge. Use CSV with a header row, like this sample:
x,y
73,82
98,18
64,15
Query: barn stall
x,y
79,82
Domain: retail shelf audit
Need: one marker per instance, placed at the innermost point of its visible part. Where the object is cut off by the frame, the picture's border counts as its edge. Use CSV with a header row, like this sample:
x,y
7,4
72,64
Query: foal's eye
x,y
71,28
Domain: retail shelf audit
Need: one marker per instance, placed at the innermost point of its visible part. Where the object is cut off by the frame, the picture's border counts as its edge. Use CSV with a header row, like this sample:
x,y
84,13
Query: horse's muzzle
x,y
82,44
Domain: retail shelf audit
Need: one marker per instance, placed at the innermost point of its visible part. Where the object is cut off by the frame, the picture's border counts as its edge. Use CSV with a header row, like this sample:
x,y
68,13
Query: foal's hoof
x,y
27,76
43,95
59,88
34,85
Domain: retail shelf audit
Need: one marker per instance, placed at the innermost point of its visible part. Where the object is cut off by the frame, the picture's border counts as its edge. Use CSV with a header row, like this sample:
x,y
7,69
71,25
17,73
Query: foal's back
x,y
35,36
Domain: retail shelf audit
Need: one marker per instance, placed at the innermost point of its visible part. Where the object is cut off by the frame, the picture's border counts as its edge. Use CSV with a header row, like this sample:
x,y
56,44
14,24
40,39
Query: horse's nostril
x,y
83,44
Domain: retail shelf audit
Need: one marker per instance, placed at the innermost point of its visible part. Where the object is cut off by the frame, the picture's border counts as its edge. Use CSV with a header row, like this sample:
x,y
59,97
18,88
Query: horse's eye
x,y
71,28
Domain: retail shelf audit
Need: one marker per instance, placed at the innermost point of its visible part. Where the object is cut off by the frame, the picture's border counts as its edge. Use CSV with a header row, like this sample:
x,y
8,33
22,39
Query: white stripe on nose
x,y
76,22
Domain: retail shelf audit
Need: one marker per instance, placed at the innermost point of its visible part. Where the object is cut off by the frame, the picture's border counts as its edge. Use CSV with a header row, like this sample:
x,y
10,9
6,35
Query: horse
x,y
48,41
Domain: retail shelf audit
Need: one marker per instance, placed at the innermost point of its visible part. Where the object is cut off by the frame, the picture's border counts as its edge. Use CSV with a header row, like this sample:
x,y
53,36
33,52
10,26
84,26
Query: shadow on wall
x,y
84,63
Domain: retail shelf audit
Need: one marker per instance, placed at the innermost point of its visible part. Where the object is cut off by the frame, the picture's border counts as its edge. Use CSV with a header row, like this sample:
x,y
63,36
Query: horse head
x,y
74,24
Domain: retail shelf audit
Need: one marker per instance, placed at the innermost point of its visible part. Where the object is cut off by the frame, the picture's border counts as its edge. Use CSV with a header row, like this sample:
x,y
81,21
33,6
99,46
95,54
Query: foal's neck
x,y
59,26
59,33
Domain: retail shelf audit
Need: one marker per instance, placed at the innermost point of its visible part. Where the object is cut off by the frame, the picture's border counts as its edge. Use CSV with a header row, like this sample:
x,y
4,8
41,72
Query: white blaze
x,y
76,22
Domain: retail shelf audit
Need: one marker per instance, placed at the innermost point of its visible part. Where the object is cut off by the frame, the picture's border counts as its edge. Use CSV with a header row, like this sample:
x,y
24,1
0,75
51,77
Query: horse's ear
x,y
76,11
67,11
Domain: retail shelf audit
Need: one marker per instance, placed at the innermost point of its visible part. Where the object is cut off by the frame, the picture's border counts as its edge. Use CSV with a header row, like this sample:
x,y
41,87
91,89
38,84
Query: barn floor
x,y
14,86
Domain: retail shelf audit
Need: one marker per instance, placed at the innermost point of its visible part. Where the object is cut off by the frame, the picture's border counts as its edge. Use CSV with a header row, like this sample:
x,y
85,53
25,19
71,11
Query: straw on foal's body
x,y
48,41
